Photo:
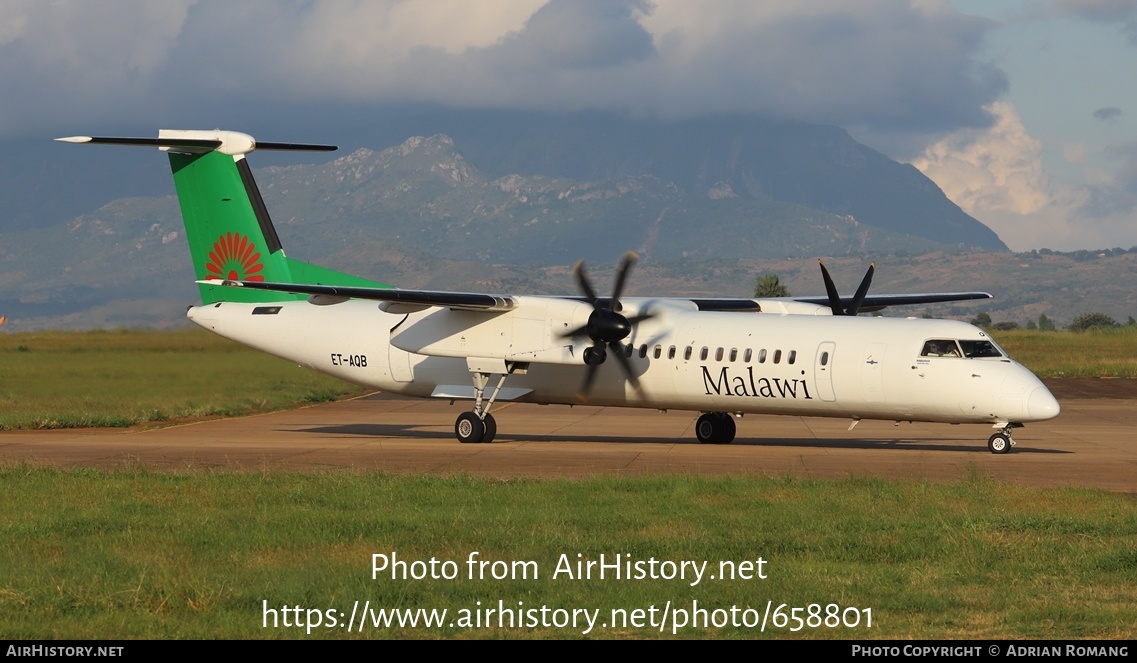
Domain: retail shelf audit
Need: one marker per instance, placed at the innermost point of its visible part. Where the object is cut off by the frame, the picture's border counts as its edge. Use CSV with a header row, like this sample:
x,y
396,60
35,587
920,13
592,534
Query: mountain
x,y
424,194
816,166
760,160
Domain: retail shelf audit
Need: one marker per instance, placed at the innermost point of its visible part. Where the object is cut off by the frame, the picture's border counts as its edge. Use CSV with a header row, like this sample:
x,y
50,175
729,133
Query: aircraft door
x,y
872,372
399,360
823,370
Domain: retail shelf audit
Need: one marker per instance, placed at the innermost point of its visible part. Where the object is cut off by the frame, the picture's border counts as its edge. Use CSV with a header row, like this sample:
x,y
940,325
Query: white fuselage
x,y
819,365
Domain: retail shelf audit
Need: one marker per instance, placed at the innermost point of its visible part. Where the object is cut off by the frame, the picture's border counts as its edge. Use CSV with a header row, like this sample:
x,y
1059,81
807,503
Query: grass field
x,y
120,378
135,554
1094,354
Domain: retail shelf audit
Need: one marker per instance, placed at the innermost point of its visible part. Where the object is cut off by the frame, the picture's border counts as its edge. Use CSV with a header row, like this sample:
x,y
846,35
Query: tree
x,y
1045,323
1005,326
1088,321
1031,324
1131,322
769,285
982,320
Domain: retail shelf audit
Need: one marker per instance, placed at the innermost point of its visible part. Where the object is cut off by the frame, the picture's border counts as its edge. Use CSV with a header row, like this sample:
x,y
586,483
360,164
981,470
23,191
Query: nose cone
x,y
1041,405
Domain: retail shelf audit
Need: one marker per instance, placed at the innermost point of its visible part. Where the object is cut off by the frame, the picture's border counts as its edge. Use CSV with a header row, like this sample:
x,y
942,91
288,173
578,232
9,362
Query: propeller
x,y
835,299
606,326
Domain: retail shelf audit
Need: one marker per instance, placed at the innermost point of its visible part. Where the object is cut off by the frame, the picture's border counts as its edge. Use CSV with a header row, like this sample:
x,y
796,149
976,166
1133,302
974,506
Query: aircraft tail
x,y
230,233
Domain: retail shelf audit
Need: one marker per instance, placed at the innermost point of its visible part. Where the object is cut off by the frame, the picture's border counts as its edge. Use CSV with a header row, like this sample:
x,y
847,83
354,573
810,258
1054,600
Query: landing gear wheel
x,y
1000,443
729,429
708,428
491,429
715,428
469,429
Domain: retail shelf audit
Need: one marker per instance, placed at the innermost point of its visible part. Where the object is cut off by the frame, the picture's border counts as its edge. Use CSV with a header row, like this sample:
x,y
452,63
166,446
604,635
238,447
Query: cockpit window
x,y
980,349
940,348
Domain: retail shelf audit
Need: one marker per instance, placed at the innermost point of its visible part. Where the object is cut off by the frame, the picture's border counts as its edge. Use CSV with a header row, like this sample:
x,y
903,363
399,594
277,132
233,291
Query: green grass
x,y
75,379
1100,353
135,554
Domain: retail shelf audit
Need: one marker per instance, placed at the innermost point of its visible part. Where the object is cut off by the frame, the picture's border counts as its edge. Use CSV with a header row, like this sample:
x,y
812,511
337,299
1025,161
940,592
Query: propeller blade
x,y
863,290
582,281
831,291
626,263
625,363
586,386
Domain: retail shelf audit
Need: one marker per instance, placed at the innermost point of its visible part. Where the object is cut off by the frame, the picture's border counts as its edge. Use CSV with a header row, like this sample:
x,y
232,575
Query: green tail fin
x,y
228,228
231,236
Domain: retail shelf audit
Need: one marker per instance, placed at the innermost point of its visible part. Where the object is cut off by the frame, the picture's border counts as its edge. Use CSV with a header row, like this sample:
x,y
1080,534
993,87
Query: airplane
x,y
722,357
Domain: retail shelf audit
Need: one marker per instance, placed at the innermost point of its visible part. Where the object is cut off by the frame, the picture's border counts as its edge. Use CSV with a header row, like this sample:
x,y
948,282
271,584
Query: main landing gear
x,y
479,425
473,429
1001,442
715,428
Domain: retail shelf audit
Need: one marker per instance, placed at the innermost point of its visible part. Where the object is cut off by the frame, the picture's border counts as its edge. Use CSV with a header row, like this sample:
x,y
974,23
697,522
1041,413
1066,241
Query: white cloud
x,y
997,176
997,169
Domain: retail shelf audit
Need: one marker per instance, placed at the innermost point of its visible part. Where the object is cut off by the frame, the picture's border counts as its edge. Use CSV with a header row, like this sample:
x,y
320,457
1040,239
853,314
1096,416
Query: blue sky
x,y
1024,112
1064,166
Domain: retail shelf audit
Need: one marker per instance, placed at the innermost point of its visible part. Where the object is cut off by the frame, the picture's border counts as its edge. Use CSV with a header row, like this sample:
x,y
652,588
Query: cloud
x,y
886,65
1117,195
578,34
997,176
1107,114
1123,13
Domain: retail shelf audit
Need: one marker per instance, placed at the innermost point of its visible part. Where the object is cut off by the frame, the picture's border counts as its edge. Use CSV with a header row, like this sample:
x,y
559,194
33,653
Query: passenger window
x,y
687,353
777,356
703,353
824,358
793,356
628,349
746,355
658,352
762,356
718,354
671,352
643,351
733,355
940,348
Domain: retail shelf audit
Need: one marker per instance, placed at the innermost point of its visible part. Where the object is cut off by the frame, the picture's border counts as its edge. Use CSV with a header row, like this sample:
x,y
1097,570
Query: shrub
x,y
1088,321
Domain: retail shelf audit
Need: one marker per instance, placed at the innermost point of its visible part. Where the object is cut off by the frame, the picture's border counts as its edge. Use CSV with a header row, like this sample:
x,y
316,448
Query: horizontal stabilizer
x,y
196,142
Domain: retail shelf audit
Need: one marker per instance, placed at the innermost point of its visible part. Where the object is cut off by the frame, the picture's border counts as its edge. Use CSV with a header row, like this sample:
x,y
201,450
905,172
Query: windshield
x,y
980,349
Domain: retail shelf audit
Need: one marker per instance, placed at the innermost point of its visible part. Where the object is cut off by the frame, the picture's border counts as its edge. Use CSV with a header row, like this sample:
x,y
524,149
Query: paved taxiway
x,y
1093,443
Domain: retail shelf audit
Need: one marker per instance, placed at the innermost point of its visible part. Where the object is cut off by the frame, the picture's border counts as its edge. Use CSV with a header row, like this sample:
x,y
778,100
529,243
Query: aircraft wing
x,y
472,301
878,302
469,301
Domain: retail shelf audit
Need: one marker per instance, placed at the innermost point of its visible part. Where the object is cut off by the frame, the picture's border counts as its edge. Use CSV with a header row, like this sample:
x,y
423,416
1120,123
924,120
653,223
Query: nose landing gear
x,y
1001,442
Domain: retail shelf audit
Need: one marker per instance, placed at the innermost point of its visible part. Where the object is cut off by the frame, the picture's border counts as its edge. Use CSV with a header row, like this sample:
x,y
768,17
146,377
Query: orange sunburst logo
x,y
234,258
